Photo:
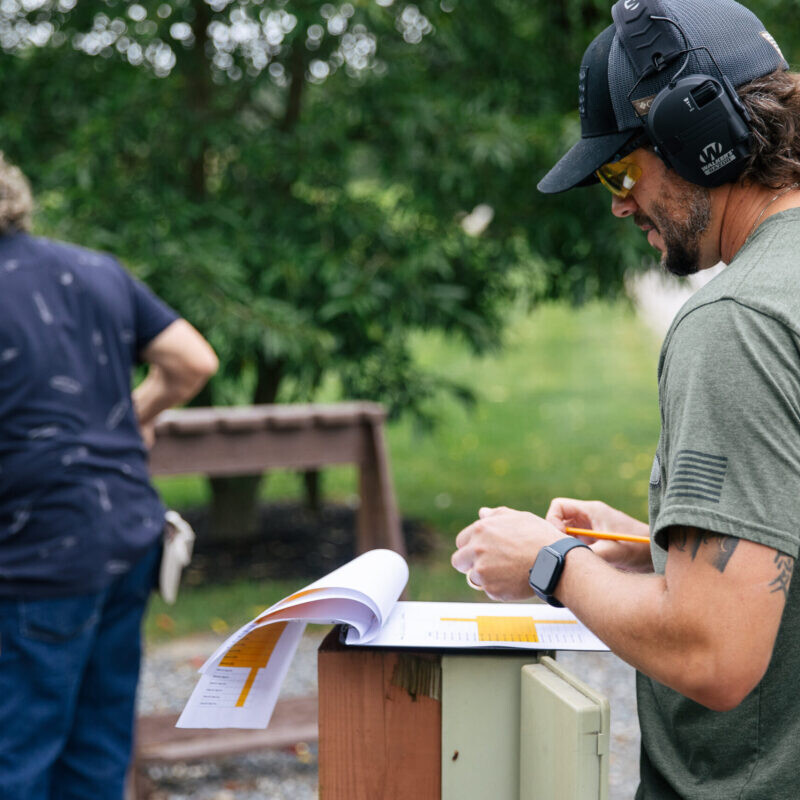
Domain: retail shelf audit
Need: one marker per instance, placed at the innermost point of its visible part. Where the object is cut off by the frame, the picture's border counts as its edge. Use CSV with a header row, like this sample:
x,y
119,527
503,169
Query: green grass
x,y
567,408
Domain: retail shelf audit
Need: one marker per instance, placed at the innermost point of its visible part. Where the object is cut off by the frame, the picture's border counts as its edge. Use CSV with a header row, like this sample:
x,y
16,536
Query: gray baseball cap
x,y
612,112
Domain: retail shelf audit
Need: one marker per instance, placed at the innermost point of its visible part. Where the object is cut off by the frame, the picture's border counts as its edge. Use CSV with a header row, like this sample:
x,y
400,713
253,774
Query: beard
x,y
681,218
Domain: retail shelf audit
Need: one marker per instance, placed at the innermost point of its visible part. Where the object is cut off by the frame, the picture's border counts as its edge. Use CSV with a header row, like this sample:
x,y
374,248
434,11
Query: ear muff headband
x,y
697,123
650,44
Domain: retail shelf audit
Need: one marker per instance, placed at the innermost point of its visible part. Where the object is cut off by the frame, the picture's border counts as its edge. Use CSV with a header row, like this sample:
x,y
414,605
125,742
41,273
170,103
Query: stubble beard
x,y
681,218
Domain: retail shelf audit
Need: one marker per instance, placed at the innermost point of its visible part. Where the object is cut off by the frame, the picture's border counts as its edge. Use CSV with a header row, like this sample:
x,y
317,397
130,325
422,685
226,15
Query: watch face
x,y
544,575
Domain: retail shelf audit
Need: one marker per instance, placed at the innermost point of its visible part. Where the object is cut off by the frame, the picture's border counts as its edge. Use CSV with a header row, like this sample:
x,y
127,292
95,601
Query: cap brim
x,y
578,166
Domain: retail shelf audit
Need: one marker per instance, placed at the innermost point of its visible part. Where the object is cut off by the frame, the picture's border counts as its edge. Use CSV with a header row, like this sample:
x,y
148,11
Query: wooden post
x,y
379,723
378,522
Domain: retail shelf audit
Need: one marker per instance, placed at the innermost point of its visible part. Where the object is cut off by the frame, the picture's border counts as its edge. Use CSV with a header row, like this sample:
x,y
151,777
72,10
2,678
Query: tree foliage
x,y
292,176
297,177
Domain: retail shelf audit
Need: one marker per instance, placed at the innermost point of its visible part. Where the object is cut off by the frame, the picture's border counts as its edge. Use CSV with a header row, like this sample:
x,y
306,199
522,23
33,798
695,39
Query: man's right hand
x,y
598,516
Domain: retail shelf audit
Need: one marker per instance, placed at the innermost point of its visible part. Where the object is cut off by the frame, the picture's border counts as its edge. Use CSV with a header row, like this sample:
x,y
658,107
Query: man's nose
x,y
623,206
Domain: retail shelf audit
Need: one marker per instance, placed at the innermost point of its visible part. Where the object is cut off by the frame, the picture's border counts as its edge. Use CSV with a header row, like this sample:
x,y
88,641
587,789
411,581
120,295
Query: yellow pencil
x,y
618,537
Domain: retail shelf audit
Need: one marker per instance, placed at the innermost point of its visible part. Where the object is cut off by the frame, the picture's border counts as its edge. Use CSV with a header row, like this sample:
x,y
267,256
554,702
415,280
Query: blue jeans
x,y
68,673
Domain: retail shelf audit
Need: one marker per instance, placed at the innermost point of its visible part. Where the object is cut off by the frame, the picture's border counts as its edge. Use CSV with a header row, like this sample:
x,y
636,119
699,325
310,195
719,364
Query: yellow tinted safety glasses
x,y
619,177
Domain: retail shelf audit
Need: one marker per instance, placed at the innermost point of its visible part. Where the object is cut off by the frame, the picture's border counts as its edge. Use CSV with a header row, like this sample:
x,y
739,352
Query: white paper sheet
x,y
240,682
242,696
529,626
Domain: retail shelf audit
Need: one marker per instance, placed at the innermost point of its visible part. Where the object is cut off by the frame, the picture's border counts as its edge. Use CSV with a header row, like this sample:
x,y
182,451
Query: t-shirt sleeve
x,y
151,314
730,399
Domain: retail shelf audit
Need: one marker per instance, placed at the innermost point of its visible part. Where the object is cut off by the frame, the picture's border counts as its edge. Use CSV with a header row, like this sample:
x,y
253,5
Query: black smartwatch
x,y
546,571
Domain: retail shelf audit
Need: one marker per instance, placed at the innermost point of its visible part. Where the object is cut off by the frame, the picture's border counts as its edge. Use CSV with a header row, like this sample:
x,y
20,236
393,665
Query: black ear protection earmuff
x,y
698,124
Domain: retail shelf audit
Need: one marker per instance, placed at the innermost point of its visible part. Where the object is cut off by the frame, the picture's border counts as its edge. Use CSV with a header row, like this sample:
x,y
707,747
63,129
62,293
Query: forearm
x,y
706,627
647,626
181,362
158,392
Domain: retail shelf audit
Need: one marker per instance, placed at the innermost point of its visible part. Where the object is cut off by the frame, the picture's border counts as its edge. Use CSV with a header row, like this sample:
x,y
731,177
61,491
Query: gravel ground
x,y
168,676
170,672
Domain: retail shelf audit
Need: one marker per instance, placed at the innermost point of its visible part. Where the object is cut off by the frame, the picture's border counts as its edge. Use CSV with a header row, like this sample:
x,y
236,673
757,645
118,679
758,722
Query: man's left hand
x,y
498,550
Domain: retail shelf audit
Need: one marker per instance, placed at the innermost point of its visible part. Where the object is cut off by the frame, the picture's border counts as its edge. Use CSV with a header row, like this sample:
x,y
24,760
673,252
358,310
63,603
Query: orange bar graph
x,y
509,629
253,651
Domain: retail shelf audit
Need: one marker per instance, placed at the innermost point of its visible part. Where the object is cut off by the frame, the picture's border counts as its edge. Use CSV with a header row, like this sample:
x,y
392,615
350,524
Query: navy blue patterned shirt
x,y
76,504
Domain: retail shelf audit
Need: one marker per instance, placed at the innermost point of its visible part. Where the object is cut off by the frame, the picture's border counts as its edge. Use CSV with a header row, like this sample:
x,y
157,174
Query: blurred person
x,y
80,524
707,612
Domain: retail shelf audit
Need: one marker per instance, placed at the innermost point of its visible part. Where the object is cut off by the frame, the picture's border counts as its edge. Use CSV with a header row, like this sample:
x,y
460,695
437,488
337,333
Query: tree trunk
x,y
312,483
234,501
234,513
199,101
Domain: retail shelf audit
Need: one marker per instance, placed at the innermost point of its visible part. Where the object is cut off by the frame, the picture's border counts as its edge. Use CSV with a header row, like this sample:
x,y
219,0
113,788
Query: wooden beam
x,y
158,740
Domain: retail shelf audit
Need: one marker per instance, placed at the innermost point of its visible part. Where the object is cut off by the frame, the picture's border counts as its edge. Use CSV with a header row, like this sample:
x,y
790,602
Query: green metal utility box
x,y
481,725
564,736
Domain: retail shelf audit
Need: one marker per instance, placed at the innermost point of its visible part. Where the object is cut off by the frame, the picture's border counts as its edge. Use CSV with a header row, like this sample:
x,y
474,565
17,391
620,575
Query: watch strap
x,y
560,548
563,546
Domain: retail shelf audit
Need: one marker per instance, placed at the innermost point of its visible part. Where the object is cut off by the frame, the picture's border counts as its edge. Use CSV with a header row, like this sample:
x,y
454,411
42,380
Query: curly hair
x,y
16,200
774,105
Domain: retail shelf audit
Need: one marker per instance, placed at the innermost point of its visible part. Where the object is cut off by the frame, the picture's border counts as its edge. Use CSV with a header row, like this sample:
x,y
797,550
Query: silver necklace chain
x,y
780,194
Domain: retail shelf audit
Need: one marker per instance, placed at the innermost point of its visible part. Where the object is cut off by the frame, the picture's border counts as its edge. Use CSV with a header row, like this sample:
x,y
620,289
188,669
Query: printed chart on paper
x,y
454,625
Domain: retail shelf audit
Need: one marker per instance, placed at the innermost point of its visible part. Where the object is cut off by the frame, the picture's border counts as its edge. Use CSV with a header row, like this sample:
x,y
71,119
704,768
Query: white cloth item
x,y
178,544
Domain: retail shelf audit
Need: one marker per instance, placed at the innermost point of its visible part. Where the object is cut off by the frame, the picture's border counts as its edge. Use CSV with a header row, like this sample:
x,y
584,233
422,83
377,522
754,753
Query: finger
x,y
473,581
604,548
555,513
465,536
565,512
463,560
490,512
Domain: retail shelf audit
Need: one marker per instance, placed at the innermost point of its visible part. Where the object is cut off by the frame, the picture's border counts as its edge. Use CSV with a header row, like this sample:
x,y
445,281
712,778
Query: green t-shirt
x,y
728,461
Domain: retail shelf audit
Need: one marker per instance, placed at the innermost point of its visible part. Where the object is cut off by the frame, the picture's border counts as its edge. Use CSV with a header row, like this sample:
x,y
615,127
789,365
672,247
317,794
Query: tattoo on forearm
x,y
725,546
679,539
716,547
785,565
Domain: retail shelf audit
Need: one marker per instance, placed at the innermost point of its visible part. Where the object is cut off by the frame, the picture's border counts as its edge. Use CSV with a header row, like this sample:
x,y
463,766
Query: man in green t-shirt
x,y
690,117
